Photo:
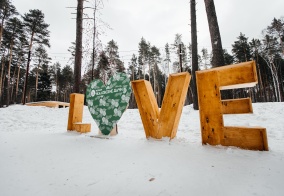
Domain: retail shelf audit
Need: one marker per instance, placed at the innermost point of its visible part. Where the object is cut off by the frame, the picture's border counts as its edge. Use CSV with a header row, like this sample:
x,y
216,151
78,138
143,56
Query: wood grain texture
x,y
172,104
51,104
161,123
251,138
237,106
212,108
147,105
75,110
82,127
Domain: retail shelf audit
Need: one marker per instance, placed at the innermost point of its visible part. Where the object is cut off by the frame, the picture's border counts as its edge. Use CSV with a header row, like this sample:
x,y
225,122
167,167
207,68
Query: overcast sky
x,y
156,20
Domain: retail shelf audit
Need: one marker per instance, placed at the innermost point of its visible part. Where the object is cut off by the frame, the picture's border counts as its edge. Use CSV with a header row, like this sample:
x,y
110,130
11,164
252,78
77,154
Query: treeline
x,y
26,72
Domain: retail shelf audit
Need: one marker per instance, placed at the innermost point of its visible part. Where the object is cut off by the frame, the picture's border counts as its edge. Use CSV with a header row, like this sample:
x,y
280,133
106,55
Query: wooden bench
x,y
51,104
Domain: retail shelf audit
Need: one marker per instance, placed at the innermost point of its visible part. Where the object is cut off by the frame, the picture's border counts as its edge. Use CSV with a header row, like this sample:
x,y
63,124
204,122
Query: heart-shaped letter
x,y
107,103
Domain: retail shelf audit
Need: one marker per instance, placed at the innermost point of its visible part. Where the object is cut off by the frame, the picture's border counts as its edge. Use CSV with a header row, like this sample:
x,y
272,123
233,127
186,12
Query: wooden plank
x,y
210,110
75,110
147,105
236,76
165,123
246,138
82,127
237,106
172,104
52,104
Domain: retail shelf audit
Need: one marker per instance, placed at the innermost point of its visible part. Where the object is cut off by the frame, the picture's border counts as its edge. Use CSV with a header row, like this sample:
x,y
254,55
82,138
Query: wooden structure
x,y
52,104
76,114
82,127
161,123
212,108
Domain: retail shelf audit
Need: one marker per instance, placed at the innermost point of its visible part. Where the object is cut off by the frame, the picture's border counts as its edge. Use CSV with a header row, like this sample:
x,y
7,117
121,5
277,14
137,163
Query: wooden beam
x,y
82,127
52,104
210,110
236,76
248,138
172,104
75,110
237,106
147,105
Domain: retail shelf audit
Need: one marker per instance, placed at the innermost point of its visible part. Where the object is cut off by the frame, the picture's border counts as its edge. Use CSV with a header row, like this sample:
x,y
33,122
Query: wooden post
x,y
212,108
75,110
82,127
165,123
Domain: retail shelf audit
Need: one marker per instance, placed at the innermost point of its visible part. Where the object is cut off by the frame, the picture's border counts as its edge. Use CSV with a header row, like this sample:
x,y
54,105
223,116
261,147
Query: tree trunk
x,y
18,78
9,73
78,52
2,76
36,81
13,84
194,53
261,89
217,50
27,69
1,30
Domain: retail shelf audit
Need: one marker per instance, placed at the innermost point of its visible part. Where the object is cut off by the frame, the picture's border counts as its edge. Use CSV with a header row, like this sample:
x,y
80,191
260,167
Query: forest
x,y
27,73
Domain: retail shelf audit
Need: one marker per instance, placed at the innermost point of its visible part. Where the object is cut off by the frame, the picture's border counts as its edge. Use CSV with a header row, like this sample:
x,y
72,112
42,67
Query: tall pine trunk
x,y
194,53
17,84
78,52
27,69
9,73
37,69
217,50
2,76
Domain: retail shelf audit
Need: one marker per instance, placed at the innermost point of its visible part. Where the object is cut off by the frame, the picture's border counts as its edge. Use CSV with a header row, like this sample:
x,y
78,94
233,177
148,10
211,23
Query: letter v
x,y
161,123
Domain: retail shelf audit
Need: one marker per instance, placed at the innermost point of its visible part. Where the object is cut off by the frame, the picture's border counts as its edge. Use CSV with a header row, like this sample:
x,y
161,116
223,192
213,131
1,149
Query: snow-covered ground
x,y
39,157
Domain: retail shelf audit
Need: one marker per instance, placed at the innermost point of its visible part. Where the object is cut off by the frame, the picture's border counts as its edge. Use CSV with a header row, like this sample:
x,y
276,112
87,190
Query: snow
x,y
39,157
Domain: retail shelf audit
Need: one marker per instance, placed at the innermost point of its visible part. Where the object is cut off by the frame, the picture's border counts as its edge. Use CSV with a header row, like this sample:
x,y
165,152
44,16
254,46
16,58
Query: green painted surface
x,y
107,103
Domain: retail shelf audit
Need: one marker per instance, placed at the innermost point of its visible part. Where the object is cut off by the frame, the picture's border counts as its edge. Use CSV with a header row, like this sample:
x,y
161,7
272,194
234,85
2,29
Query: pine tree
x,y
103,70
277,30
205,58
218,58
154,59
133,68
194,51
255,46
167,59
79,50
41,57
116,65
270,52
38,32
44,85
67,82
20,47
13,30
228,59
241,49
143,57
7,9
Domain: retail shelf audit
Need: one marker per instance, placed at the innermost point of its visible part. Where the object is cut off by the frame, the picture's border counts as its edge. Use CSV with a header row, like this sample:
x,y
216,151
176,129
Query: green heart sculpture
x,y
107,103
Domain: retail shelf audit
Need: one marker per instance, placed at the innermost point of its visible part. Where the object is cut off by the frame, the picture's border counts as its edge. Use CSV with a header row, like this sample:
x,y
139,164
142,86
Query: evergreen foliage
x,y
44,85
23,42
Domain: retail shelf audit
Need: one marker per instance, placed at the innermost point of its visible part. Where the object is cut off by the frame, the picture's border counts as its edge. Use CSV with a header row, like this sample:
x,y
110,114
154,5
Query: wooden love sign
x,y
164,123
